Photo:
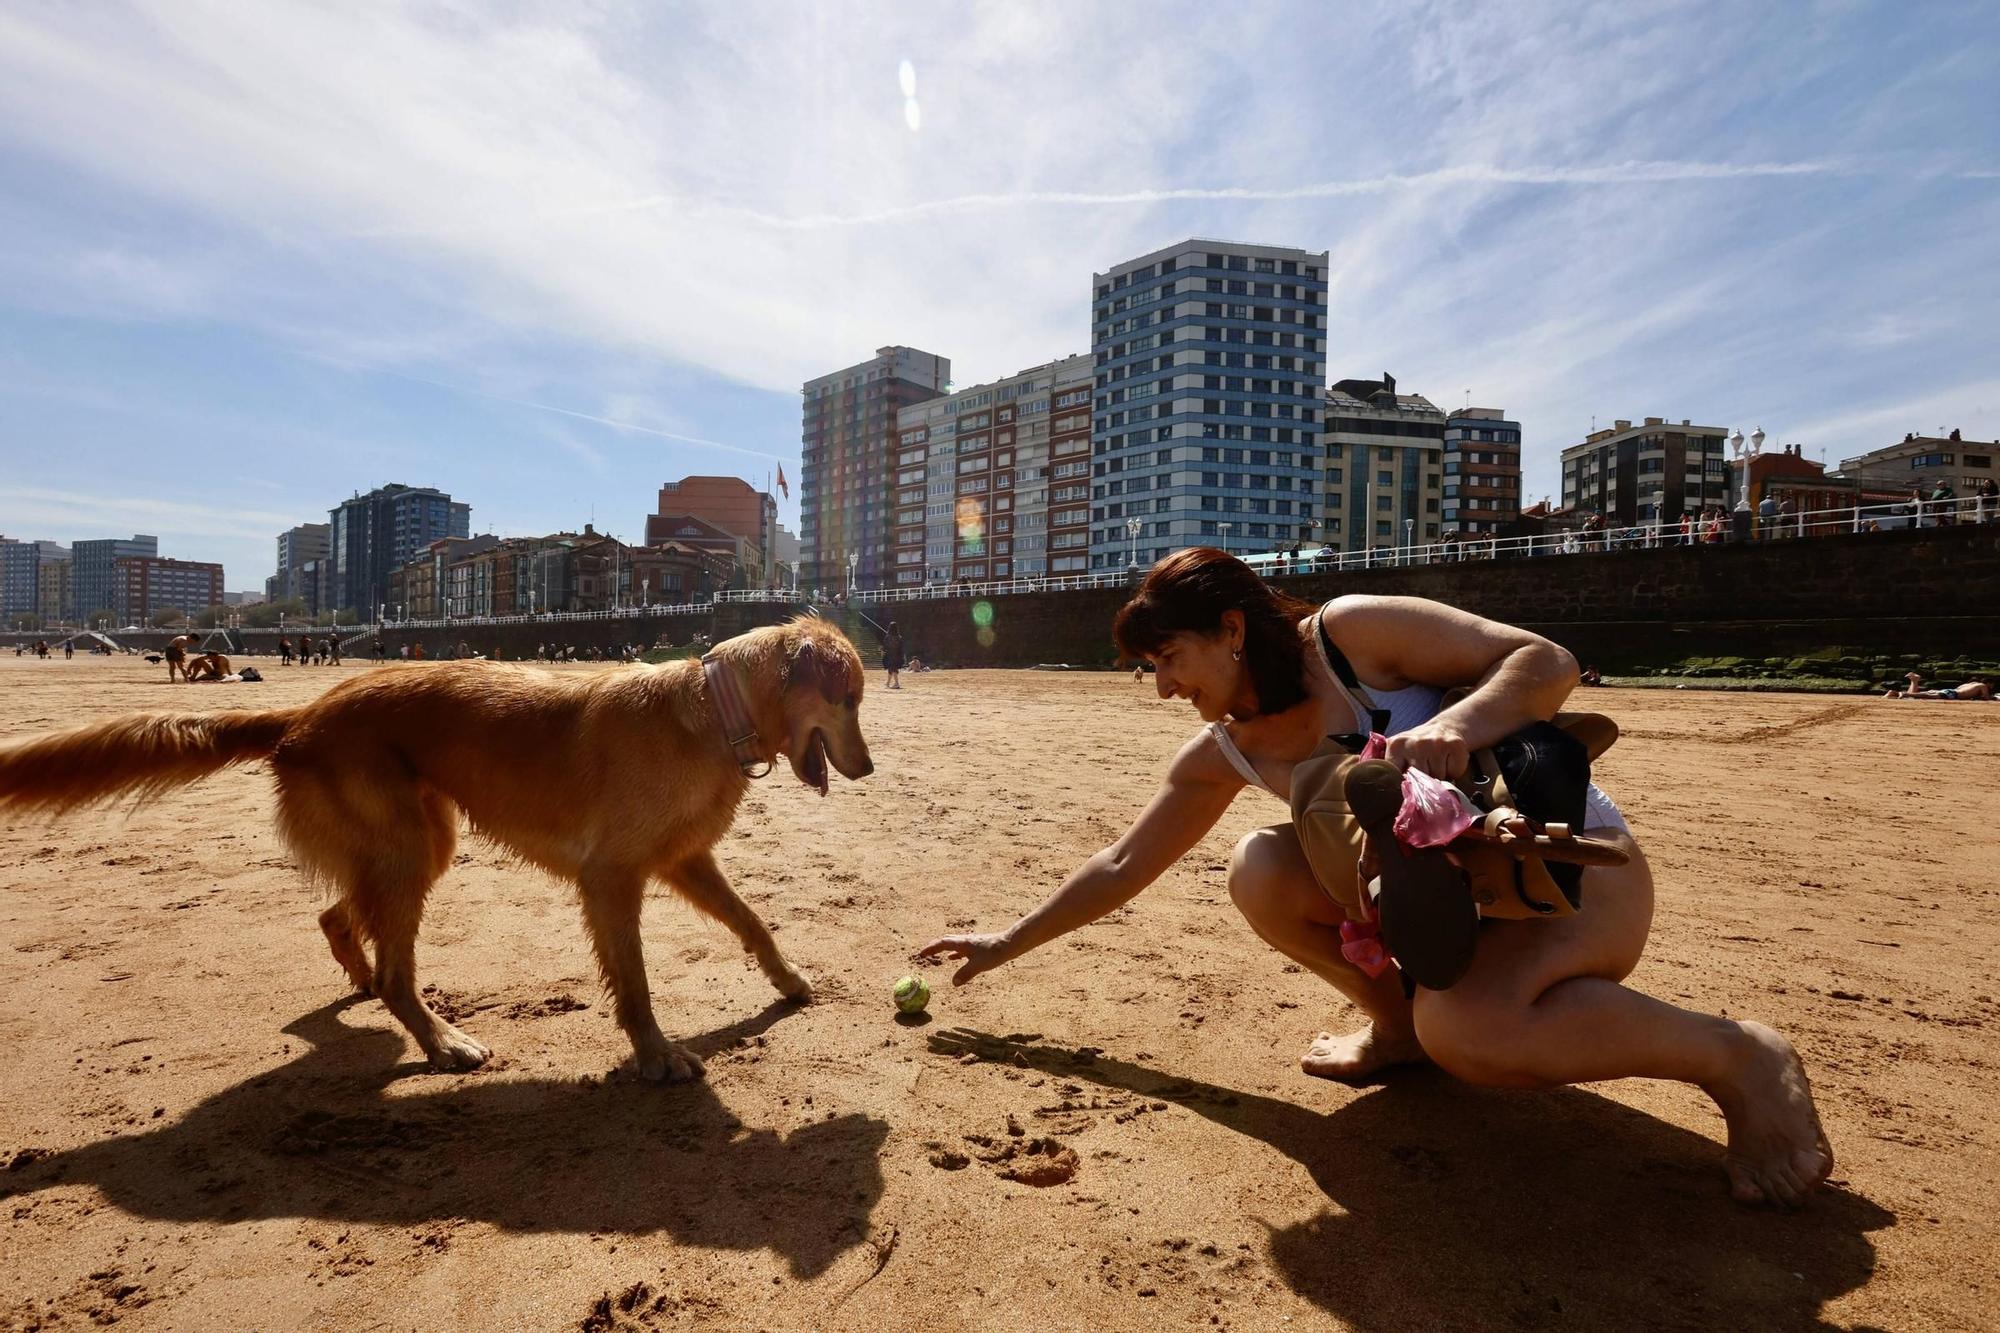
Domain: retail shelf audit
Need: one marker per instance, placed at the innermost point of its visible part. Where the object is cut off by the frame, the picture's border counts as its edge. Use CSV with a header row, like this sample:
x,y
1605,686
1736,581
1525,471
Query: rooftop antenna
x,y
1468,400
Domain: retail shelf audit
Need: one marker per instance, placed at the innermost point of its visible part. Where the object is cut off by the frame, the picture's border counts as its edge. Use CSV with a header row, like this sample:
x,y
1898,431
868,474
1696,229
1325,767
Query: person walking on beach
x,y
892,656
1543,1002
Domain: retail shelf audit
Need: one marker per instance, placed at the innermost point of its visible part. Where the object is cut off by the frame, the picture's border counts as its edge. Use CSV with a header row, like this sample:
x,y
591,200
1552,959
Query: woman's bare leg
x,y
1542,1005
1273,886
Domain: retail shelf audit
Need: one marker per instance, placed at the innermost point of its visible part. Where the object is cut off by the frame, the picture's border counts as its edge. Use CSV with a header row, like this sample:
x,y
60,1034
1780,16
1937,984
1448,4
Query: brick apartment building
x,y
732,505
143,586
849,485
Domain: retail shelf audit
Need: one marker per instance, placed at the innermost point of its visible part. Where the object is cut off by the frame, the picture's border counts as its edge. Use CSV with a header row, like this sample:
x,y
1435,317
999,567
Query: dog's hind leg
x,y
338,923
395,933
611,903
383,842
701,881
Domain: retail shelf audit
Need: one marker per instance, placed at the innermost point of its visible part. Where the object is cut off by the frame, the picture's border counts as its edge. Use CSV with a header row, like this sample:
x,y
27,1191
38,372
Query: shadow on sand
x,y
1456,1207
318,1138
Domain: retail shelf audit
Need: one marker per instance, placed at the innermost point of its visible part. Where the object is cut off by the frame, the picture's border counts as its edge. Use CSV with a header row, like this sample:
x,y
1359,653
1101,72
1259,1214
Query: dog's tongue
x,y
819,758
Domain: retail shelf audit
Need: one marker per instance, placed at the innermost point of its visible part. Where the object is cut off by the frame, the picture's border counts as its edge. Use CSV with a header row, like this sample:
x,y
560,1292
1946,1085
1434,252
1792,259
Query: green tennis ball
x,y
912,994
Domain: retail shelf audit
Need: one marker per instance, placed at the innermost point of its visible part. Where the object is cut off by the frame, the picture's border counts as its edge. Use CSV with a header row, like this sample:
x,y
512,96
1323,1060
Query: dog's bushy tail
x,y
143,757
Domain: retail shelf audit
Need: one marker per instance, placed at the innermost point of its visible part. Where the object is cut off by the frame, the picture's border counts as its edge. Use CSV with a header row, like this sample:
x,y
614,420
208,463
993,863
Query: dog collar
x,y
733,718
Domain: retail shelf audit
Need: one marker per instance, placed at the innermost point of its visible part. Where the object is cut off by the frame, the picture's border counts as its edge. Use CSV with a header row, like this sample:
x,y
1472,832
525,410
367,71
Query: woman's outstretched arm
x,y
1198,788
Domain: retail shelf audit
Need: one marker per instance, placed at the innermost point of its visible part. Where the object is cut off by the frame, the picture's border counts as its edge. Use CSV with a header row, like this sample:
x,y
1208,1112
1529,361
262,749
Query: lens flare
x,y
906,79
982,615
985,635
971,526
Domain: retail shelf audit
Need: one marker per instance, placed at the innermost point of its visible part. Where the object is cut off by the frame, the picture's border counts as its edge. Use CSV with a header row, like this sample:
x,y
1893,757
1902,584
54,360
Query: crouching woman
x,y
1543,1001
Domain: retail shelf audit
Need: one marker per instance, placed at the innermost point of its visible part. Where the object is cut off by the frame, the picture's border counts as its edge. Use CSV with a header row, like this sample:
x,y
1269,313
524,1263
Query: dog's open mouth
x,y
812,765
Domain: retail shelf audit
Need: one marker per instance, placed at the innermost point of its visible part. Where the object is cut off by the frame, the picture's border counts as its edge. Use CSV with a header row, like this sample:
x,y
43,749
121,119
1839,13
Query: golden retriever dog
x,y
606,780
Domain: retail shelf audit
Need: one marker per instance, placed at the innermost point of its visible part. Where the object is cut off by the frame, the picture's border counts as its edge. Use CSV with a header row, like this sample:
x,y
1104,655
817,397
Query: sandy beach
x,y
203,1128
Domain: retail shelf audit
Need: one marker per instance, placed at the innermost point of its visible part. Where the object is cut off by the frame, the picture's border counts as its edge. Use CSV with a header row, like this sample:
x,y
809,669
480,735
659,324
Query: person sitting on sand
x,y
1542,1003
207,666
1972,689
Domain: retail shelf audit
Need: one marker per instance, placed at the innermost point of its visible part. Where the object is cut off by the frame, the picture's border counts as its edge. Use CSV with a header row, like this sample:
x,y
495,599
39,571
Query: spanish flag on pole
x,y
781,482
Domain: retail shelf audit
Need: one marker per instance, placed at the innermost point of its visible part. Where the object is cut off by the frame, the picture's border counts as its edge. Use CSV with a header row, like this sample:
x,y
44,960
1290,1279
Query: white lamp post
x,y
1224,528
1659,517
1409,538
853,559
1132,526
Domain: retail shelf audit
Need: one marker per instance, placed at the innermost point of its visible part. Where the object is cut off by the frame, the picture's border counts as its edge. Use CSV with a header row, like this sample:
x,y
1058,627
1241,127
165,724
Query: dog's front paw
x,y
793,985
669,1063
457,1051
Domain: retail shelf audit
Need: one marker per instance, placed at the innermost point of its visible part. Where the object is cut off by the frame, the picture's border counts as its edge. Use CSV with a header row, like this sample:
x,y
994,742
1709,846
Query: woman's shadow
x,y
321,1137
1459,1207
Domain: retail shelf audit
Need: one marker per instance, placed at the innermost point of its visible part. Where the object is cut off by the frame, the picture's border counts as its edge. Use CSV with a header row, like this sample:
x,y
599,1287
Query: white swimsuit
x,y
1410,706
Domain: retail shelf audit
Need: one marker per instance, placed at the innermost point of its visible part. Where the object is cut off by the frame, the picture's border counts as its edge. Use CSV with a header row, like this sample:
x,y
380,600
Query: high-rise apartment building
x,y
145,585
1384,467
297,548
986,459
94,584
1482,472
21,566
850,485
1652,472
371,535
53,580
1210,361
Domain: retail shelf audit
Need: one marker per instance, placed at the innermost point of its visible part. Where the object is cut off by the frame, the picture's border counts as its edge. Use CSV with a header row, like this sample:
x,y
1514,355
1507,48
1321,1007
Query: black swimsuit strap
x,y
1378,718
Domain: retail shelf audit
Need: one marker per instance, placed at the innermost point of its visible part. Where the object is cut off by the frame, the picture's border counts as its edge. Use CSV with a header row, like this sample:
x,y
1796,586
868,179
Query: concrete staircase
x,y
867,639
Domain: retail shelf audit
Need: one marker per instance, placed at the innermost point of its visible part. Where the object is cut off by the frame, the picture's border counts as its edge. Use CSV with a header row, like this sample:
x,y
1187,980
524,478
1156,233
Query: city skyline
x,y
618,245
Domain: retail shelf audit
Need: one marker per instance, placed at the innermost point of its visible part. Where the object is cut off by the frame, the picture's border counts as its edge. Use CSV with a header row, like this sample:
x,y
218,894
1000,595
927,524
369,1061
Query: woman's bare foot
x,y
1777,1151
1359,1053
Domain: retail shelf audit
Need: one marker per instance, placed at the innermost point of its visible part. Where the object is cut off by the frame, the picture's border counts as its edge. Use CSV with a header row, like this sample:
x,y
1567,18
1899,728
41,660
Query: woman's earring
x,y
1236,654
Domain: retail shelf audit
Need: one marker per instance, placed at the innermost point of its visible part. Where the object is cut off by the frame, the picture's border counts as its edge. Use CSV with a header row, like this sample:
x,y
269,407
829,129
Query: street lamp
x,y
1224,528
1659,518
1132,526
1409,538
853,559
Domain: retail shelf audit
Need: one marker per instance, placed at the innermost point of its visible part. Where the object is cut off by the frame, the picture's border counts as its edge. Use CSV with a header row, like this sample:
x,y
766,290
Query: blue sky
x,y
254,258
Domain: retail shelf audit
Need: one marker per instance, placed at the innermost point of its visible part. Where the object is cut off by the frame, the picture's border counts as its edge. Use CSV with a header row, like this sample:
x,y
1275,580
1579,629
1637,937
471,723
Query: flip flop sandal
x,y
1429,922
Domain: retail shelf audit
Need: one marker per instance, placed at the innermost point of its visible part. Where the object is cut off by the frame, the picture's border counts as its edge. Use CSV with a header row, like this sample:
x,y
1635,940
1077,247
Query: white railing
x,y
1635,537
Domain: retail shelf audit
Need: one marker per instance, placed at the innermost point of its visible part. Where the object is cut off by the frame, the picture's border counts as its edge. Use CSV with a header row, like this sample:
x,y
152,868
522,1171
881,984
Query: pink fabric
x,y
1361,945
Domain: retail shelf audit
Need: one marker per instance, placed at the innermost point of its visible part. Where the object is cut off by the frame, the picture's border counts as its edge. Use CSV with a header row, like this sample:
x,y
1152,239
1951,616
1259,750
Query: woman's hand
x,y
1439,750
982,953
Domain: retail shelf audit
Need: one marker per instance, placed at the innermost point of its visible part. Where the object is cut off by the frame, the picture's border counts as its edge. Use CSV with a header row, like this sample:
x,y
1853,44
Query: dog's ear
x,y
816,665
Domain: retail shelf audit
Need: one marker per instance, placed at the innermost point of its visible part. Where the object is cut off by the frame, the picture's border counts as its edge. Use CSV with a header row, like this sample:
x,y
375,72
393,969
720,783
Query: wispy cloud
x,y
89,514
1702,210
1624,173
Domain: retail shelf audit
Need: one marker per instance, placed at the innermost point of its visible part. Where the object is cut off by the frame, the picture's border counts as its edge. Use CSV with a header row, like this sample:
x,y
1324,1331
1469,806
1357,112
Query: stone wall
x,y
1933,593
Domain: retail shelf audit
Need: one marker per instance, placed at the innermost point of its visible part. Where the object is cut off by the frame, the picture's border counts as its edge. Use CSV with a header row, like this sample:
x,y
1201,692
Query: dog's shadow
x,y
321,1137
1457,1207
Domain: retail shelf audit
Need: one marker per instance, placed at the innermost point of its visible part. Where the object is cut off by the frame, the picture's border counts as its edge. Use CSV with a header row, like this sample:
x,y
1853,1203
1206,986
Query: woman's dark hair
x,y
1187,593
